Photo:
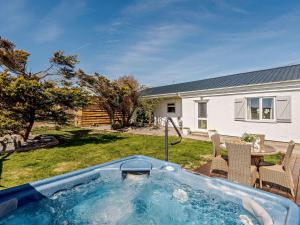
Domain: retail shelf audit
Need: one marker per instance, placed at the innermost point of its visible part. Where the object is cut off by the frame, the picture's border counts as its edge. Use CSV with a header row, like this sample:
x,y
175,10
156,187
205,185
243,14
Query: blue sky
x,y
158,41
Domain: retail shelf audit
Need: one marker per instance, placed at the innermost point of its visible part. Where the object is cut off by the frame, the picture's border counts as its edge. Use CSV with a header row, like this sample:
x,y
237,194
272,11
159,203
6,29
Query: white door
x,y
202,116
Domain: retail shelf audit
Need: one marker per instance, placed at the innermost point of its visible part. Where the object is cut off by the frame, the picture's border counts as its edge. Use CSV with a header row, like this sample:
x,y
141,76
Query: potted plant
x,y
180,123
186,131
253,140
248,138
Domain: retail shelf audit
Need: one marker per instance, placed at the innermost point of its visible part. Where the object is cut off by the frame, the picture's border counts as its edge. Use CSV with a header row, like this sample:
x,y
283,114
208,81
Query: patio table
x,y
258,156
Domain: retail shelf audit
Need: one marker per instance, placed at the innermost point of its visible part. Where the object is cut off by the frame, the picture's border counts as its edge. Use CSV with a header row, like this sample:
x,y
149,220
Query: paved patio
x,y
295,166
280,146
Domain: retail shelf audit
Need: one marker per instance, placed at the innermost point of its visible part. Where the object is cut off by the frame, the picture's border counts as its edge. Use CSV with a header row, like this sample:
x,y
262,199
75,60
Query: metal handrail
x,y
167,136
297,186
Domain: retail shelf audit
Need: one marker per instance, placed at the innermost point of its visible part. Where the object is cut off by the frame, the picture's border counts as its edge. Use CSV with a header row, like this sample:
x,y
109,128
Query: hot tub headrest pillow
x,y
257,210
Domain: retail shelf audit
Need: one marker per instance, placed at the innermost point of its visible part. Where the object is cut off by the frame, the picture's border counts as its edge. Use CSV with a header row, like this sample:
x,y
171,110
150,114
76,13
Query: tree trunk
x,y
128,120
28,130
151,119
123,120
129,116
112,119
3,146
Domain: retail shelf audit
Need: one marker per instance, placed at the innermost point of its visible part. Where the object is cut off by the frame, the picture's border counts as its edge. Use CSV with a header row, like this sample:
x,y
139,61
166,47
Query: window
x,y
202,124
260,108
253,108
171,108
202,115
267,109
202,111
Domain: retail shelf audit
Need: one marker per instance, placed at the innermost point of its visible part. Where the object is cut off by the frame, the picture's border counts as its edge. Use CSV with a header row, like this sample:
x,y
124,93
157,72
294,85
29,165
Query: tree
x,y
130,97
145,111
104,92
26,97
114,96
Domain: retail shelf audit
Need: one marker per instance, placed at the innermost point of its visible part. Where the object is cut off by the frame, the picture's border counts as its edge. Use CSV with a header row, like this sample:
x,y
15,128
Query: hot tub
x,y
139,190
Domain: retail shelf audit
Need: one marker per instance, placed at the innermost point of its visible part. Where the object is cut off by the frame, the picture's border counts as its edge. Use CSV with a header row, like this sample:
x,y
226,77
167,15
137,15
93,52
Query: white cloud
x,y
183,43
81,47
49,33
270,45
223,5
147,6
150,47
53,24
13,15
110,27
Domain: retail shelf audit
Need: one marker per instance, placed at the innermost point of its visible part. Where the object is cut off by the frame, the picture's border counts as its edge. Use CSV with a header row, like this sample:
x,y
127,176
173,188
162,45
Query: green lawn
x,y
80,148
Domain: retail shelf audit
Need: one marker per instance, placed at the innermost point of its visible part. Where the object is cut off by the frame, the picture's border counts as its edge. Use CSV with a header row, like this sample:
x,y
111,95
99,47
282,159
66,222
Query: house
x,y
265,101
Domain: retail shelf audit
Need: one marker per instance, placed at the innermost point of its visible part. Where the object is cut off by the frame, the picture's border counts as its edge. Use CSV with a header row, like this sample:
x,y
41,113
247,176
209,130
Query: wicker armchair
x,y
279,174
218,163
240,169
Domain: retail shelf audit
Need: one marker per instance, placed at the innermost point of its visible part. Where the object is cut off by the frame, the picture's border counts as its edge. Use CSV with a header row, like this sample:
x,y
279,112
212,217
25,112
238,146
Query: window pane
x,y
202,110
253,108
171,108
267,108
202,124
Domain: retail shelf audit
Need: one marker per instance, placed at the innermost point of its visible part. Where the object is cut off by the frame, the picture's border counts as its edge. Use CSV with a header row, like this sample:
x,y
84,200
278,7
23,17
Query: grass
x,y
80,148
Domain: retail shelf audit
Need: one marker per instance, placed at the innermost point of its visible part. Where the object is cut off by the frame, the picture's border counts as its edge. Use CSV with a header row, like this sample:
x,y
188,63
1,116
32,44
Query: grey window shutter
x,y
283,109
240,109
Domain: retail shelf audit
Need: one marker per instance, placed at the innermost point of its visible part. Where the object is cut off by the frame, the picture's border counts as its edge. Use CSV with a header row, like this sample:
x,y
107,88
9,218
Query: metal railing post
x,y
167,136
297,186
167,140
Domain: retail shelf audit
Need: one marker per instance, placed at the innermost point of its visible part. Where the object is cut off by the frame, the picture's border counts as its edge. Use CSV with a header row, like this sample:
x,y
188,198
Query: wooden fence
x,y
92,115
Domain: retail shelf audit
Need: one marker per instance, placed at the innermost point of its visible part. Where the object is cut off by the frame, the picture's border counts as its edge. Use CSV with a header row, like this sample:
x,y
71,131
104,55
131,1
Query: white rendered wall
x,y
220,111
161,111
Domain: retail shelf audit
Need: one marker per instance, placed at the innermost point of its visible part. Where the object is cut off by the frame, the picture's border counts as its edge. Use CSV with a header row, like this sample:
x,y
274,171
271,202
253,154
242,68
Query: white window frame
x,y
261,108
169,103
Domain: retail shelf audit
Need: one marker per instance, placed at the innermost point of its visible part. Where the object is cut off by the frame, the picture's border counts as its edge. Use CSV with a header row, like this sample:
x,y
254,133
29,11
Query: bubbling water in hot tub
x,y
139,199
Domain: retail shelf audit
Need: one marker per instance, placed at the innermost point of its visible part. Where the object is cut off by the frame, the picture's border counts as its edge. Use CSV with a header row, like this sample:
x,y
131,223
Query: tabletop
x,y
268,150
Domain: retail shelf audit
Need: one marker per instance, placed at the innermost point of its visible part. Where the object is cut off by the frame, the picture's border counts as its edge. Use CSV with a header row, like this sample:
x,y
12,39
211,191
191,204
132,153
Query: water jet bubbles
x,y
168,168
246,220
136,178
180,195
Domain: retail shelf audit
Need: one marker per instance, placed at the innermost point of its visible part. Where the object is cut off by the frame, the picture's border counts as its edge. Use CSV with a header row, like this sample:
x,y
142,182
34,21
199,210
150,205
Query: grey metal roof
x,y
285,73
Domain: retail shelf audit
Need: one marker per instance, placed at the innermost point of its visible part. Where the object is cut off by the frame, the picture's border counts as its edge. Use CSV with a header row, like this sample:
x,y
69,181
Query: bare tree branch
x,y
45,72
